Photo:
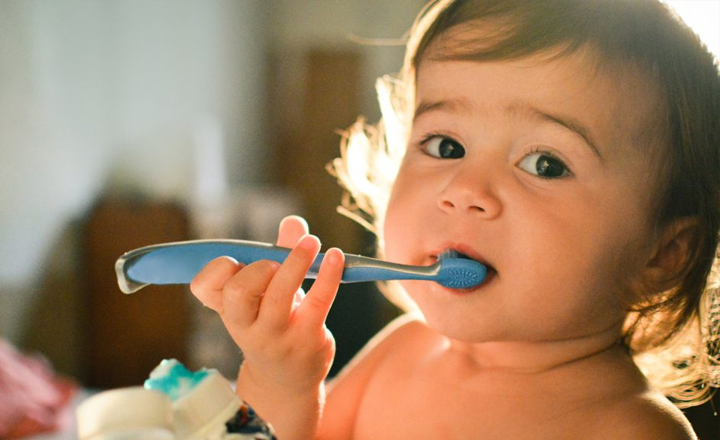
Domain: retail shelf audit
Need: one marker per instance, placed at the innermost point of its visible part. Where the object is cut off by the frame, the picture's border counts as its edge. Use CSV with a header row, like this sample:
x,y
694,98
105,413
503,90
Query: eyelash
x,y
428,137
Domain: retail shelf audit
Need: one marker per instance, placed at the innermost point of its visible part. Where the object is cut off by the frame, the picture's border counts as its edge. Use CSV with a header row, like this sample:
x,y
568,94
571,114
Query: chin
x,y
457,329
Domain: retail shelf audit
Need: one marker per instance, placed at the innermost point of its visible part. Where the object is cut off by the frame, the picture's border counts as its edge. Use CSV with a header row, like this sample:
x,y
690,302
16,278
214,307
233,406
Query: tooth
x,y
448,253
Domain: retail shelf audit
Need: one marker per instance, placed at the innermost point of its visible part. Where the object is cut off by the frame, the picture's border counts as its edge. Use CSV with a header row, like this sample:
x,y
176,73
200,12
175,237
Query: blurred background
x,y
125,123
131,122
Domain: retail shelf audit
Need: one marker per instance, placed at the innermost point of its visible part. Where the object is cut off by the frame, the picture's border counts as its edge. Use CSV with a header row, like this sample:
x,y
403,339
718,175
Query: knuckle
x,y
197,286
323,292
316,301
237,291
214,273
222,265
258,348
266,267
249,284
206,295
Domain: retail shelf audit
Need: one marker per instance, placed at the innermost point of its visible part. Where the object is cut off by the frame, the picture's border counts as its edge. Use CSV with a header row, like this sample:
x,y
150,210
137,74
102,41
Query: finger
x,y
277,304
292,229
315,307
207,286
243,294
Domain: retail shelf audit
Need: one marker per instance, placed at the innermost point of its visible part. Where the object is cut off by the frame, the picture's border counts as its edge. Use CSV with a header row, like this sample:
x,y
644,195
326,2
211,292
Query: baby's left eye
x,y
544,165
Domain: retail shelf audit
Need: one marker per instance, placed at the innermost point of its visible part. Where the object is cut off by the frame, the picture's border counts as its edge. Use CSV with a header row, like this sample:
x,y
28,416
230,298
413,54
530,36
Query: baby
x,y
571,146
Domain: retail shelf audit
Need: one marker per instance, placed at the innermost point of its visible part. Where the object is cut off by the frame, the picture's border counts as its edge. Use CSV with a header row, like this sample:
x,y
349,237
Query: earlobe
x,y
673,250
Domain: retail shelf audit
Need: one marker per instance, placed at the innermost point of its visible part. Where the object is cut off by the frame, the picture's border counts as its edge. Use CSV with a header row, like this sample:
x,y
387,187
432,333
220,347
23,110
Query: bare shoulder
x,y
402,330
397,333
646,416
346,391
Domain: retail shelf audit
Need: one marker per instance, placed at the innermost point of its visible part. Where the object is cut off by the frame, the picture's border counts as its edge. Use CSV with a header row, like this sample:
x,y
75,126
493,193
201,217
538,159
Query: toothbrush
x,y
179,262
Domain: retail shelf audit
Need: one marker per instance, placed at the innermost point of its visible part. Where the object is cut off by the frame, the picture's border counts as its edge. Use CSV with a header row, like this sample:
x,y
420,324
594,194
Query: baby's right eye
x,y
443,147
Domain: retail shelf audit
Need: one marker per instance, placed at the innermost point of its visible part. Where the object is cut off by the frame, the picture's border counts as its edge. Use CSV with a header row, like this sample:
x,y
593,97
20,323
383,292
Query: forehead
x,y
617,104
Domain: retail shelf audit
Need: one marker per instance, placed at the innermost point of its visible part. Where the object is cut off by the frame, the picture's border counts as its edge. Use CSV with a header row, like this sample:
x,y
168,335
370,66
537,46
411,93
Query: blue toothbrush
x,y
179,262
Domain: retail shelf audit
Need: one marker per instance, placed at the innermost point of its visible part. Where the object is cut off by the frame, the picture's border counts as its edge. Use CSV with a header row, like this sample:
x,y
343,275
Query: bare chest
x,y
420,405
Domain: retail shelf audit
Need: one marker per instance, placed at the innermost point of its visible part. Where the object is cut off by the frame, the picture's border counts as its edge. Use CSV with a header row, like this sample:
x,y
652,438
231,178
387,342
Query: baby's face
x,y
543,170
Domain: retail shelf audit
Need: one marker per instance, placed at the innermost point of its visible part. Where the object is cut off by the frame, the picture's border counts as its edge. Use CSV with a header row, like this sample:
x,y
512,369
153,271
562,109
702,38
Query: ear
x,y
670,257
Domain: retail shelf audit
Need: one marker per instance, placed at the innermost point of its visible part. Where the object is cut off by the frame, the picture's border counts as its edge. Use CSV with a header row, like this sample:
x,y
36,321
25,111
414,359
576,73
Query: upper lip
x,y
464,249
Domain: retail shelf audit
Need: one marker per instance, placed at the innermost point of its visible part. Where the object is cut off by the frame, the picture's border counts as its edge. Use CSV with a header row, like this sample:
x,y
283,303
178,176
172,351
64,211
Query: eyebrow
x,y
570,123
453,105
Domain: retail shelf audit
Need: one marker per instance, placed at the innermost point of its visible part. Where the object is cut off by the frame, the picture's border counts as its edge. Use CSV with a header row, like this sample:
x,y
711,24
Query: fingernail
x,y
332,257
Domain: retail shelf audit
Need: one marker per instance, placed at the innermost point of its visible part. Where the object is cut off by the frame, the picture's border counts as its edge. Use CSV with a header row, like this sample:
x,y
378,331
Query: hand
x,y
287,347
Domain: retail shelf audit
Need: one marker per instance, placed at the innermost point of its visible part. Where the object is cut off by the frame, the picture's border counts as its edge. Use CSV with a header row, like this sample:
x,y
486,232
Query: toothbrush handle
x,y
359,268
178,263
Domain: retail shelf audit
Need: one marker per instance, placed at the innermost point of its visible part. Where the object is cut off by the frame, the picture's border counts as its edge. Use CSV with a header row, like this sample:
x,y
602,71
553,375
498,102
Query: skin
x,y
288,350
531,353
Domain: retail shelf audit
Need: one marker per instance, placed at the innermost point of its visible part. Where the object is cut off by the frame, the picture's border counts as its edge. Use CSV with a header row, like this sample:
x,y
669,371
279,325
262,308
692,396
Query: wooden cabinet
x,y
126,336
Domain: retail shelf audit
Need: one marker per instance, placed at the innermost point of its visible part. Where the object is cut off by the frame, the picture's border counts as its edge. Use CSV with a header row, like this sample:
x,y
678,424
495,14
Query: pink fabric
x,y
32,398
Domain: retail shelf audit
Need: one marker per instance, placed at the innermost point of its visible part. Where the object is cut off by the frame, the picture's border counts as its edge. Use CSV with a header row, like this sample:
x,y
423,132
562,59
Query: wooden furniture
x,y
128,335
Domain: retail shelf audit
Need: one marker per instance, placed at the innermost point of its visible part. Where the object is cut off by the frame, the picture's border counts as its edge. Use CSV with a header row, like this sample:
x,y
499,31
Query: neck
x,y
531,357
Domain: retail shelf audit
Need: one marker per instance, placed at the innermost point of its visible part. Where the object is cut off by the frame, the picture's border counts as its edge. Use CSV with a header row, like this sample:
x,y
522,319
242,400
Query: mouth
x,y
454,253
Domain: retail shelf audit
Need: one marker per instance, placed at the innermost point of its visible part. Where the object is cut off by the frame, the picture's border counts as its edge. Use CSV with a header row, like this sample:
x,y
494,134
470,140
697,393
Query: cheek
x,y
572,285
404,217
395,230
625,234
606,257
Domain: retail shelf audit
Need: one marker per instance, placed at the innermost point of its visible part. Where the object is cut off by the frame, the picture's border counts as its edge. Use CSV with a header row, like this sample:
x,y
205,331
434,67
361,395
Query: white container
x,y
201,414
124,414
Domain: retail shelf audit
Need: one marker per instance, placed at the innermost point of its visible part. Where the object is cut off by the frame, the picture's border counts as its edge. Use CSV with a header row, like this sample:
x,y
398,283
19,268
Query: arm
x,y
281,331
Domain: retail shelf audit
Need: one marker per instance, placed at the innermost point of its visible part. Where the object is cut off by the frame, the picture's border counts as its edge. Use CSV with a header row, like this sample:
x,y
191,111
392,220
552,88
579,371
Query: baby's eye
x,y
544,165
443,147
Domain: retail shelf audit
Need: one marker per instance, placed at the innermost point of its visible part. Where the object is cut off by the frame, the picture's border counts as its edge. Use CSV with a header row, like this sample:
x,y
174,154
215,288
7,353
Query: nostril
x,y
483,204
447,204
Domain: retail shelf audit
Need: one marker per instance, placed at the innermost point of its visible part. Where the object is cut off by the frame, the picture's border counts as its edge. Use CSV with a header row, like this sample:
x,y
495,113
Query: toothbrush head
x,y
460,273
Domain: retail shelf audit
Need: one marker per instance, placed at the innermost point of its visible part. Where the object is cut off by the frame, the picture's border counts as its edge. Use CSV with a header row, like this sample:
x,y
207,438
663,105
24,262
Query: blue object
x,y
179,262
173,379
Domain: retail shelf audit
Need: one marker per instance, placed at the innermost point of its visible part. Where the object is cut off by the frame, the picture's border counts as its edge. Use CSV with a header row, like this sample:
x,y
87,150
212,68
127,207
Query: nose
x,y
469,192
